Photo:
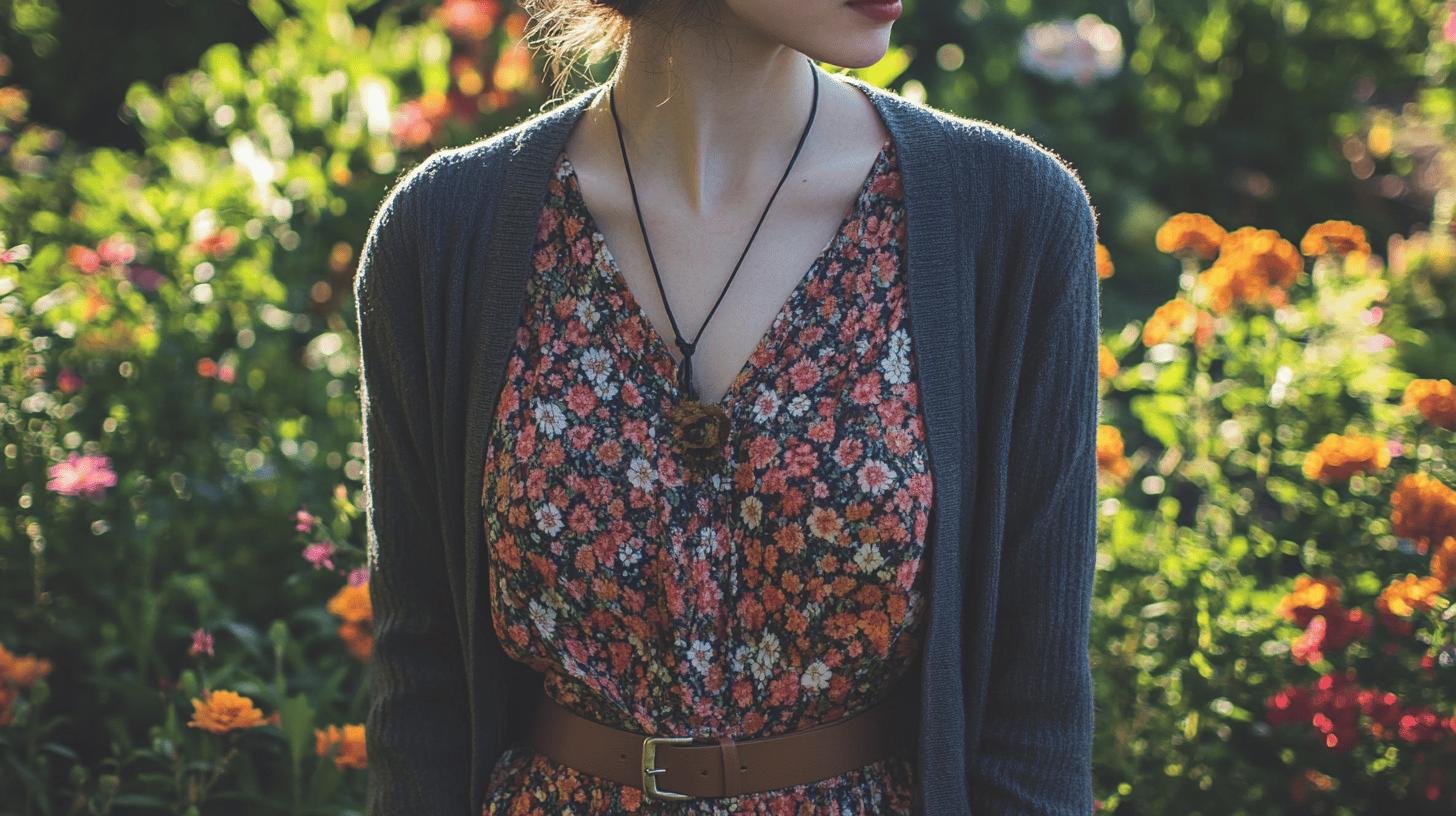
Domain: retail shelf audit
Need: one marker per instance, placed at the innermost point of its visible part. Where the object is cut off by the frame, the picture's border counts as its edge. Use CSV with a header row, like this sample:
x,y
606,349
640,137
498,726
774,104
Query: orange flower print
x,y
1338,457
223,711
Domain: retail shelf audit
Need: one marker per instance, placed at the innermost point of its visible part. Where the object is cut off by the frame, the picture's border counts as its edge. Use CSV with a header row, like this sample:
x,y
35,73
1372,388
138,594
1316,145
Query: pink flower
x,y
358,575
1449,31
302,520
320,554
68,381
1372,315
15,254
201,643
115,251
87,476
1376,342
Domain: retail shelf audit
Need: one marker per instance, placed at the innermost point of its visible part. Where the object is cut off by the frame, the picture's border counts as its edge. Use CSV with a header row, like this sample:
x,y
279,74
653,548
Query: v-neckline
x,y
610,273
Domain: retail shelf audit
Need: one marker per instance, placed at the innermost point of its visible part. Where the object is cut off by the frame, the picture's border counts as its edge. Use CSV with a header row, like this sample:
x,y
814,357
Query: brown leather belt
x,y
673,768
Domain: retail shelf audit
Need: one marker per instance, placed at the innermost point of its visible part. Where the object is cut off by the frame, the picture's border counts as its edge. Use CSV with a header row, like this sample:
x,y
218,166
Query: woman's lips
x,y
882,10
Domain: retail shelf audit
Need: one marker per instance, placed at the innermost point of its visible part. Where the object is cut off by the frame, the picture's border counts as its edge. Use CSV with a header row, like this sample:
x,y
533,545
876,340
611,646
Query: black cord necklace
x,y
699,428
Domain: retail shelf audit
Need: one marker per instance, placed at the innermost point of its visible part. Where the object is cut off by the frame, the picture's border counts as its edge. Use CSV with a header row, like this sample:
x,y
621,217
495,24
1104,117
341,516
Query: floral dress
x,y
782,590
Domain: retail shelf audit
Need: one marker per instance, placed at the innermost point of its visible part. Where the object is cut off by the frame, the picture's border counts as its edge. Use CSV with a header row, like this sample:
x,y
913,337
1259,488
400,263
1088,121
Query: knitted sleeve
x,y
1034,755
416,728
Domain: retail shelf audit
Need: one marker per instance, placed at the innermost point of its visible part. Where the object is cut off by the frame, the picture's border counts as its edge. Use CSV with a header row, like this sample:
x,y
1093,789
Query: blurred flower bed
x,y
184,606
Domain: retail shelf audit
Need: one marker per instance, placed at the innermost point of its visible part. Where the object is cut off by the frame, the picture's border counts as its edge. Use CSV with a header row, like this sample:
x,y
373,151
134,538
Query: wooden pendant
x,y
700,431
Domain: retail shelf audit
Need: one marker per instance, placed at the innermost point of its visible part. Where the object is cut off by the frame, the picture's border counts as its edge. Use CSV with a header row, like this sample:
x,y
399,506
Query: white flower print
x,y
874,477
550,418
701,655
548,519
588,313
596,364
640,474
544,618
629,553
606,390
816,676
896,364
707,543
869,558
765,658
798,405
765,405
751,511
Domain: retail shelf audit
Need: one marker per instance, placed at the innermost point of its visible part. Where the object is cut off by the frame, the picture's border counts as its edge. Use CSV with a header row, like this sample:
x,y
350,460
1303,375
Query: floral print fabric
x,y
783,590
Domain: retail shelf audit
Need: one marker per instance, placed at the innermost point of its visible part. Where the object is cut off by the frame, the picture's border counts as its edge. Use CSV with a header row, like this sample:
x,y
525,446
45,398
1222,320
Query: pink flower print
x,y
87,476
358,576
68,381
320,554
303,520
201,643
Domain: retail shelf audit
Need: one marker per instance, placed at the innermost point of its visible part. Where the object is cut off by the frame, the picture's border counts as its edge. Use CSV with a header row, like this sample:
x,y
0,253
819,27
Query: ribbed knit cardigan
x,y
1004,314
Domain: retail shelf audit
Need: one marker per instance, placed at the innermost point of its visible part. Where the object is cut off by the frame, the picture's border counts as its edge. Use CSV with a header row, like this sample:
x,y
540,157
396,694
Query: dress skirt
x,y
783,589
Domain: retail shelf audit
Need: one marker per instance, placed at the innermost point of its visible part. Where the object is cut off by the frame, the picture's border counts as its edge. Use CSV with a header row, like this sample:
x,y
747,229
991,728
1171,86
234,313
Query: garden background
x,y
184,187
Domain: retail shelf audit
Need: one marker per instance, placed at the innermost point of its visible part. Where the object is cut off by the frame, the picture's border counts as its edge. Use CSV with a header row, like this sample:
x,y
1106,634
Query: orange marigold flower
x,y
1339,457
1110,457
1173,322
1192,234
1422,509
358,639
21,670
1107,366
1104,262
1334,237
224,711
351,603
1254,267
1435,399
1443,563
344,745
1405,597
1311,596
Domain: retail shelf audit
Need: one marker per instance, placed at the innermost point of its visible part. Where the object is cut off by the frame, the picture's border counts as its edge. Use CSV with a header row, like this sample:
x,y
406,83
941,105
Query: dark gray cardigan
x,y
1005,311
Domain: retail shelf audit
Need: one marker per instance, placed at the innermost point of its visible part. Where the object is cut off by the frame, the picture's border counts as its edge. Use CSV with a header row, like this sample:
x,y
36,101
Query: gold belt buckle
x,y
649,771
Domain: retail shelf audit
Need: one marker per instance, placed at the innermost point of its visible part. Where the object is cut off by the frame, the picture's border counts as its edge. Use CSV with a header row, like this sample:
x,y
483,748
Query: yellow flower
x,y
1334,237
344,745
1340,457
224,711
1192,234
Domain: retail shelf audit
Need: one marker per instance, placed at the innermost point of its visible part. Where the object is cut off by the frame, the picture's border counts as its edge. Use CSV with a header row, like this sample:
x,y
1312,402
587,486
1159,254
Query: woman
x,y
677,526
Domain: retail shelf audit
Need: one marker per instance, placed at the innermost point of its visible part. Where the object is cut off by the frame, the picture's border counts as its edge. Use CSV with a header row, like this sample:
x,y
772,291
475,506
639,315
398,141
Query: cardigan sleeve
x,y
416,727
1034,752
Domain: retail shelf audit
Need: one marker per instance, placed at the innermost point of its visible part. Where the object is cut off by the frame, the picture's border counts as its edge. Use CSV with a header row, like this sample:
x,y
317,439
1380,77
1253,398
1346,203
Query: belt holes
x,y
742,767
703,773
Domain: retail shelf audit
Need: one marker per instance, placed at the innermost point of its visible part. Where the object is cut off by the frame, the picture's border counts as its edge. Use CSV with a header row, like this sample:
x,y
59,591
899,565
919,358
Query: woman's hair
x,y
569,32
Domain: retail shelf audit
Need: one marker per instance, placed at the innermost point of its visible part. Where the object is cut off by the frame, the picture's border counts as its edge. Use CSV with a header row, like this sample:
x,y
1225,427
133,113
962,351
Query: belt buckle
x,y
650,771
